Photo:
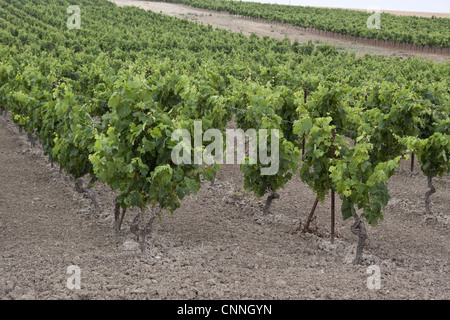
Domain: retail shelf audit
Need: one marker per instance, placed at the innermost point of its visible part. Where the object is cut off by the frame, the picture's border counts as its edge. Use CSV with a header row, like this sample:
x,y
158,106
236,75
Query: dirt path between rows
x,y
216,246
247,27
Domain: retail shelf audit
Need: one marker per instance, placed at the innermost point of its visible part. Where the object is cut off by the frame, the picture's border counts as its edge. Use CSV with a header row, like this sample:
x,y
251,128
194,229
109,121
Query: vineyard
x,y
400,29
104,100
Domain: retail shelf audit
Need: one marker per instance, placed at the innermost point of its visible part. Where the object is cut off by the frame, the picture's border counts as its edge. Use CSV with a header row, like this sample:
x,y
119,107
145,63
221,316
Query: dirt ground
x,y
247,27
218,245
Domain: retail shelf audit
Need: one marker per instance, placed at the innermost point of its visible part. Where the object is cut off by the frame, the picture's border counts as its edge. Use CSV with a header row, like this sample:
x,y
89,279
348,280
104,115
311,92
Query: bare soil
x,y
271,29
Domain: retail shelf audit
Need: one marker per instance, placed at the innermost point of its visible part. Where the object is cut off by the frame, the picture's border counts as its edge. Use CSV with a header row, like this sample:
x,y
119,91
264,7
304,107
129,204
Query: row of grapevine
x,y
401,29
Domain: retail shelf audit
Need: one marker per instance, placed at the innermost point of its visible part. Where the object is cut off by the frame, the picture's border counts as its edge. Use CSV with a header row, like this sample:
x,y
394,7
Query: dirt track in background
x,y
247,27
413,13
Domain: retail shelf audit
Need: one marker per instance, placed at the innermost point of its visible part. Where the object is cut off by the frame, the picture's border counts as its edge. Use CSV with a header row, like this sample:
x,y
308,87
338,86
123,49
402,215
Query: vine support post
x,y
305,99
412,161
311,214
332,191
118,222
116,216
332,216
303,146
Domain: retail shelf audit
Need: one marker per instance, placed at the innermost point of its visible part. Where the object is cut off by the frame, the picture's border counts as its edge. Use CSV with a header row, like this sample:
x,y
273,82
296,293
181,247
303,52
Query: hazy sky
x,y
410,5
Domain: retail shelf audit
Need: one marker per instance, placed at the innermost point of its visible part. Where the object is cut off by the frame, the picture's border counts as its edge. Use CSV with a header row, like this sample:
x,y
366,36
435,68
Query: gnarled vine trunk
x,y
81,189
429,193
32,139
213,181
359,229
117,221
272,195
142,233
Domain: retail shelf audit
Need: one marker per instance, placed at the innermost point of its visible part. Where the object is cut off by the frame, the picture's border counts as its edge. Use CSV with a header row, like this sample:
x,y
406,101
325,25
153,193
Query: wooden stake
x,y
305,99
332,191
311,214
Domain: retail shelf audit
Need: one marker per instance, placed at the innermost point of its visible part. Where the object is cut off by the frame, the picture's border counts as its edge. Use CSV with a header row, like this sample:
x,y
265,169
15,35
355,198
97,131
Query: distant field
x,y
237,24
402,27
408,13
